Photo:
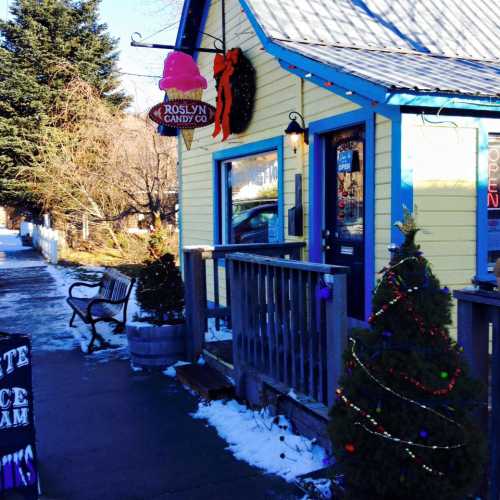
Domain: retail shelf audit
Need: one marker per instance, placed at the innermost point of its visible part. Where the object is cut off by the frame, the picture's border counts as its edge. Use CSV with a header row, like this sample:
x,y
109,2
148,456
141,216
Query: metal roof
x,y
447,46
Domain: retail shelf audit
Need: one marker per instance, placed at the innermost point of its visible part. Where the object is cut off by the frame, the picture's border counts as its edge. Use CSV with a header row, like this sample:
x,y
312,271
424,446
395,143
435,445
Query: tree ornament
x,y
350,448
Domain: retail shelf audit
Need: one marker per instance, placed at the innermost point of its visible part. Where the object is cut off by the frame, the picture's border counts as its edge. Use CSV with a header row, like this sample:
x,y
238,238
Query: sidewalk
x,y
104,432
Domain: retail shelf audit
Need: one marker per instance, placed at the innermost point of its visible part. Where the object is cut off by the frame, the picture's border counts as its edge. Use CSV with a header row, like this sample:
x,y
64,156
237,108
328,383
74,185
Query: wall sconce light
x,y
295,132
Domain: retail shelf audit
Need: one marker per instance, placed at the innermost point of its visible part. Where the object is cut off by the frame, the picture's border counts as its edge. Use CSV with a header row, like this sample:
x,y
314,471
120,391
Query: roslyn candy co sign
x,y
183,113
18,471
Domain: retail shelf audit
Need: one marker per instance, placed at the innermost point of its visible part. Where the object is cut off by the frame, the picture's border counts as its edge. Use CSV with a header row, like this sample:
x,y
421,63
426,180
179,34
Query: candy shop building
x,y
334,116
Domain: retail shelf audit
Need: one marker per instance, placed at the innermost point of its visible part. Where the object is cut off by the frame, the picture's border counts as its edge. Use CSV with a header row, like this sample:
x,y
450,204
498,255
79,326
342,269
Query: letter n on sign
x,y
18,466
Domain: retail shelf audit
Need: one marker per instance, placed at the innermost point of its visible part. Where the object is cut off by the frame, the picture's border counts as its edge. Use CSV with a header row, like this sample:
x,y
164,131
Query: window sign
x,y
18,471
347,161
249,199
350,185
493,200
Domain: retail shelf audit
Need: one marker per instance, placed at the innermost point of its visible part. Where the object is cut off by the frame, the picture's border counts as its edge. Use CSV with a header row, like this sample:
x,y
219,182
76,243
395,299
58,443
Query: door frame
x,y
317,131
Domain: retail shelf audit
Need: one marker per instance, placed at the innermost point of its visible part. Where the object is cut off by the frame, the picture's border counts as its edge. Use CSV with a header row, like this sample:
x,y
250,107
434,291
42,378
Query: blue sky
x,y
125,17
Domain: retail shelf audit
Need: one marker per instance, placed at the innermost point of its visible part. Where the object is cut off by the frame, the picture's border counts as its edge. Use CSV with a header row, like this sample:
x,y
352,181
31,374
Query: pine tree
x,y
45,45
402,426
160,290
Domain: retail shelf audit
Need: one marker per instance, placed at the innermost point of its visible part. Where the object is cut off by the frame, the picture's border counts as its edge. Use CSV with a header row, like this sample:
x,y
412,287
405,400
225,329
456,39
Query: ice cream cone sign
x,y
183,107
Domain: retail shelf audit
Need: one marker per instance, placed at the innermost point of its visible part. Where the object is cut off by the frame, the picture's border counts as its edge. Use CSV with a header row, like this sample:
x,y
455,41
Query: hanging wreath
x,y
235,83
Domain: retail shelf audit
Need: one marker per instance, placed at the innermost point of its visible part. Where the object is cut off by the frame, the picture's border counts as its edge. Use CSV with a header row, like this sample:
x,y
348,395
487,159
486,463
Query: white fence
x,y
44,239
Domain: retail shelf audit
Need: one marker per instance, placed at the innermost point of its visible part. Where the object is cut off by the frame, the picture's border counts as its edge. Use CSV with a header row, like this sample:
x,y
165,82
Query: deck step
x,y
206,381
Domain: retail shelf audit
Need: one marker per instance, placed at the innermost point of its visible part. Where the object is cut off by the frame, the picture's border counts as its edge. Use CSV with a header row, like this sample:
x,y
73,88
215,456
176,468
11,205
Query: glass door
x,y
343,235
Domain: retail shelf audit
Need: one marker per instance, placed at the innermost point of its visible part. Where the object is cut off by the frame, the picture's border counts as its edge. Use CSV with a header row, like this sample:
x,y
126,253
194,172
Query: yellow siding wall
x,y
383,162
444,160
278,93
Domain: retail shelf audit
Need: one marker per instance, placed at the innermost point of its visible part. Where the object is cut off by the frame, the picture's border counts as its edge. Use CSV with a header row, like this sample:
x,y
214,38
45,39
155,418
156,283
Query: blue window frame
x,y
252,216
488,239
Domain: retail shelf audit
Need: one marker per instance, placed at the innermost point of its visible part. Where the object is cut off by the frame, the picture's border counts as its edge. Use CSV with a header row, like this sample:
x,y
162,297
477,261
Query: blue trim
x,y
275,143
204,17
442,100
186,12
316,189
401,181
482,203
388,111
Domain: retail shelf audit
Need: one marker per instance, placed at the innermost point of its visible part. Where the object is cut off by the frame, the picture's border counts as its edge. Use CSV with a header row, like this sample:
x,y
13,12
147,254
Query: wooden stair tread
x,y
204,380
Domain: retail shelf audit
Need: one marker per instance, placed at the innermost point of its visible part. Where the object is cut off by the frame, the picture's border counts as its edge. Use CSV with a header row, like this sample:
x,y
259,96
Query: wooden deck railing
x,y
289,322
478,310
195,280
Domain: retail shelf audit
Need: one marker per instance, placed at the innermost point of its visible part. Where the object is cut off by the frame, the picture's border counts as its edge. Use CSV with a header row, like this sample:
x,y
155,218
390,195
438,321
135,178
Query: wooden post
x,y
85,227
234,272
472,335
336,332
196,301
495,411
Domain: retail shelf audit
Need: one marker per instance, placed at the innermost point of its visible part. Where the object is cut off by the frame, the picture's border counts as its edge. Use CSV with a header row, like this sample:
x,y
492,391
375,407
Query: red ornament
x,y
341,204
350,448
345,194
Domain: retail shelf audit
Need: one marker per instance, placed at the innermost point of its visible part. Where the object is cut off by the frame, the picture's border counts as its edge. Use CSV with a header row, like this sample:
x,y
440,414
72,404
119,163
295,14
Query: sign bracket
x,y
135,42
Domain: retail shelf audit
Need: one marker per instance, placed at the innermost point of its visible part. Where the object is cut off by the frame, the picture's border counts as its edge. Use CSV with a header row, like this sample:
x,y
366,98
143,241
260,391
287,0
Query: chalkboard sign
x,y
18,470
347,161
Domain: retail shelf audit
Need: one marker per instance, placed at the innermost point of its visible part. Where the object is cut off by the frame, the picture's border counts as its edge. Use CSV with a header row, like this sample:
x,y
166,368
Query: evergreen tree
x,y
160,290
45,45
401,427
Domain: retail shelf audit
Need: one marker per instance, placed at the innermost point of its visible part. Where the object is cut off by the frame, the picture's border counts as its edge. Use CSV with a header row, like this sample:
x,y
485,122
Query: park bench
x,y
109,304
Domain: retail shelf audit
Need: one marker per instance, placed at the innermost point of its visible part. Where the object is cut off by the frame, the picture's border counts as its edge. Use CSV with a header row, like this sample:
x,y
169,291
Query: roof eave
x,y
442,100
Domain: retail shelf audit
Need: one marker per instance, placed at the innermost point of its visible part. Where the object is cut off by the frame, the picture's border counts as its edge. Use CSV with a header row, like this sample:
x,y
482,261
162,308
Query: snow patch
x,y
213,334
262,440
170,371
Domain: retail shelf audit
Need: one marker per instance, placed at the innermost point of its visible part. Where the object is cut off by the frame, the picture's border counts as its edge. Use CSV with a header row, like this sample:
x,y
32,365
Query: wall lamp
x,y
295,131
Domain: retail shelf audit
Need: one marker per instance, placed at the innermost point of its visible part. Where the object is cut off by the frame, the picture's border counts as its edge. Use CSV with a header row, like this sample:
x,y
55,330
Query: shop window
x,y
249,199
493,200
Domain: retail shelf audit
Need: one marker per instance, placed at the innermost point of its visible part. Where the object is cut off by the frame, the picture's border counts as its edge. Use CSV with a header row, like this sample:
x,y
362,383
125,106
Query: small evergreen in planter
x,y
160,291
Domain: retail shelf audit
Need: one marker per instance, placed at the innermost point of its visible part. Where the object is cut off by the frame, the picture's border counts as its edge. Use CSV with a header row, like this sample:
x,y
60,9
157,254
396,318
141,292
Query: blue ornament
x,y
424,434
323,292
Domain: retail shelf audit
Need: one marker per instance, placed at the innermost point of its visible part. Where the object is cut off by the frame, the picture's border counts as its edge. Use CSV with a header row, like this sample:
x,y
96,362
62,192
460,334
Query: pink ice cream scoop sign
x,y
181,72
183,113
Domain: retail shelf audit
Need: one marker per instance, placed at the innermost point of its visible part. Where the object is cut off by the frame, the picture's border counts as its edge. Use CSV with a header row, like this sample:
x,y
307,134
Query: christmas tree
x,y
402,425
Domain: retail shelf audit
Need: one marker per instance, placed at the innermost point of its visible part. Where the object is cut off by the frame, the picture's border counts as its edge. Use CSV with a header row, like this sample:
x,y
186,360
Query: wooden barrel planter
x,y
156,346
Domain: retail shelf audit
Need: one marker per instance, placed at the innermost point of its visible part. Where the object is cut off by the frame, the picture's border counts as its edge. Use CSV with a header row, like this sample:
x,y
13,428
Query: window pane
x,y
493,200
350,189
253,199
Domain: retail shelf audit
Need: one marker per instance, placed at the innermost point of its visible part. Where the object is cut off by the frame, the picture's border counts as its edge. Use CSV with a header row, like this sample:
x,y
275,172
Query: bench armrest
x,y
82,283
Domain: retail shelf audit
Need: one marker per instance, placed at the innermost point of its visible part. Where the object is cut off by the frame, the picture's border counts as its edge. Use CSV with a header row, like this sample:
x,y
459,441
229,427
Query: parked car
x,y
252,225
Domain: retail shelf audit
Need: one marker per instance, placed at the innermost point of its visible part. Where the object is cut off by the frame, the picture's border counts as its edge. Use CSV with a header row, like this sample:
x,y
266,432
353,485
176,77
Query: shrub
x,y
160,290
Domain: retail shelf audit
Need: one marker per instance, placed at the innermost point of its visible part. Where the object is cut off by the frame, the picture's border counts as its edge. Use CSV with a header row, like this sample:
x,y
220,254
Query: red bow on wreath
x,y
224,67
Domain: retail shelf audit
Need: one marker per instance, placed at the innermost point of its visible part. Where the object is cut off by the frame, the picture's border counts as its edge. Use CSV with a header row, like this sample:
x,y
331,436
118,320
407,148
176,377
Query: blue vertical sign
x,y
18,471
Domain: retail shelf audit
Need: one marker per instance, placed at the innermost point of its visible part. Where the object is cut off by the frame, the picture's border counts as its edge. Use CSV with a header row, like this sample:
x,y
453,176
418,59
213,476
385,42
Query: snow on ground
x,y
262,440
64,277
45,314
213,335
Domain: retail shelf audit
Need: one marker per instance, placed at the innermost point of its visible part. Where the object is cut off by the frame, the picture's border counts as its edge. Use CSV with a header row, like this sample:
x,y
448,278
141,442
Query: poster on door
x,y
18,470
